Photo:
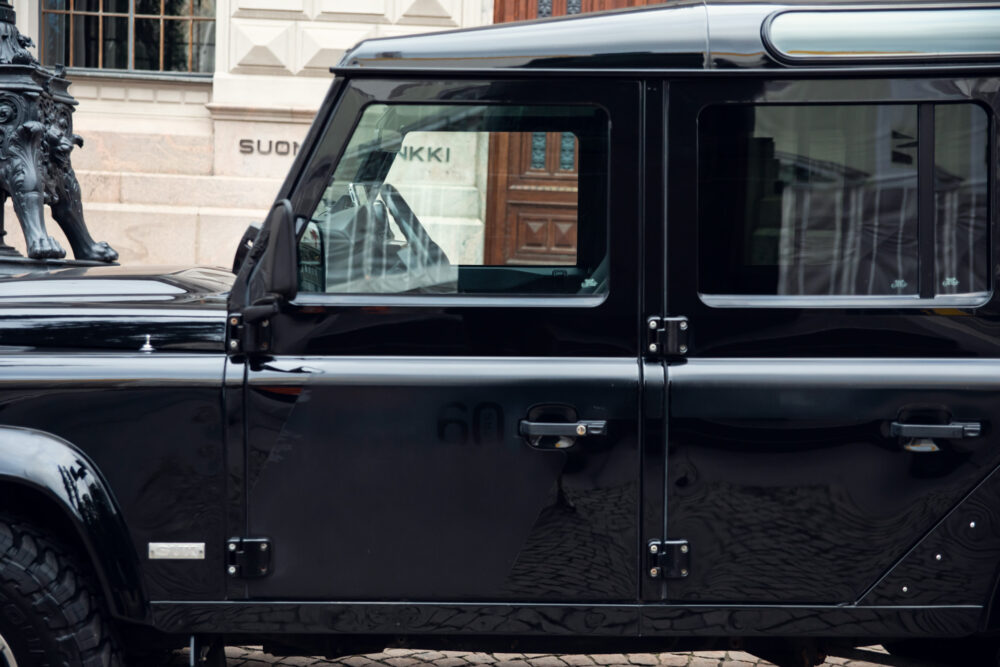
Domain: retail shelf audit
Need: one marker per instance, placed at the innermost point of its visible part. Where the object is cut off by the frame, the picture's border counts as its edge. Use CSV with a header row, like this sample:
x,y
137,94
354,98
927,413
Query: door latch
x,y
248,558
667,336
668,559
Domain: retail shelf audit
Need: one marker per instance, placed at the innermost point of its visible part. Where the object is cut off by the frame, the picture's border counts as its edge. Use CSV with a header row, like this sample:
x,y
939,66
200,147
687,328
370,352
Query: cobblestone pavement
x,y
249,656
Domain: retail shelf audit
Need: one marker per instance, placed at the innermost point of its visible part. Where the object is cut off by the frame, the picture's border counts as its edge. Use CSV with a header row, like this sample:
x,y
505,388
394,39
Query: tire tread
x,y
60,594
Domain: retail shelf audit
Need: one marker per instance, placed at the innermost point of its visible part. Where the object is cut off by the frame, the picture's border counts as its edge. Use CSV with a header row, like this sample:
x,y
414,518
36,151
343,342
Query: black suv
x,y
675,327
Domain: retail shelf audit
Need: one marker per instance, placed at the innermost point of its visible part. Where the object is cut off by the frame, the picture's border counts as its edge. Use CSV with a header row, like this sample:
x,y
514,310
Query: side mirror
x,y
276,275
245,246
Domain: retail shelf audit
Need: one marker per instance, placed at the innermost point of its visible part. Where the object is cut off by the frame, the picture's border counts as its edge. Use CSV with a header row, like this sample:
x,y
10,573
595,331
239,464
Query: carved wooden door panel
x,y
532,188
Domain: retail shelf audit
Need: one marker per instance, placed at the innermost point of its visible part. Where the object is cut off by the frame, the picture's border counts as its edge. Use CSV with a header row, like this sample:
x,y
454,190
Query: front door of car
x,y
829,245
431,423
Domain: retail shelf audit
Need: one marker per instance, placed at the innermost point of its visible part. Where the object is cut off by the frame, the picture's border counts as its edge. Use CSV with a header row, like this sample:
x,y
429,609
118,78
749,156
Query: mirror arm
x,y
261,309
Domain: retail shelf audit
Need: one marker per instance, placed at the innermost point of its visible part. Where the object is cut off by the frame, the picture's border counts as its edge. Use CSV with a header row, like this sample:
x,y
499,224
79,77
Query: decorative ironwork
x,y
544,8
574,6
539,150
567,151
36,139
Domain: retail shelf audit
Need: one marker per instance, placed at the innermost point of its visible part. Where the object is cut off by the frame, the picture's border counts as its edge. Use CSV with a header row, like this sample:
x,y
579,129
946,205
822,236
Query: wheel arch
x,y
46,479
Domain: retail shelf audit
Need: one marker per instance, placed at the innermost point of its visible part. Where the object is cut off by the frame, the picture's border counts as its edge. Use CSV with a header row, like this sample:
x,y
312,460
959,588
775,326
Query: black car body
x,y
750,393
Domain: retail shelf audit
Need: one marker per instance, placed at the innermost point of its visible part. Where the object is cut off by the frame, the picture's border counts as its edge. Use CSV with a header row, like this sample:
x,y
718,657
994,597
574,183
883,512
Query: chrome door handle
x,y
578,429
953,430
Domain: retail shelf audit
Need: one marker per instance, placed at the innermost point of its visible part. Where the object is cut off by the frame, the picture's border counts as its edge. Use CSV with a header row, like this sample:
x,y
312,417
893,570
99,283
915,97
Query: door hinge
x,y
248,333
668,559
248,557
666,336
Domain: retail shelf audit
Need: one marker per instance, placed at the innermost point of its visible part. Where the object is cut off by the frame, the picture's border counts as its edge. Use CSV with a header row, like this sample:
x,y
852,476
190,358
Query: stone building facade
x,y
175,166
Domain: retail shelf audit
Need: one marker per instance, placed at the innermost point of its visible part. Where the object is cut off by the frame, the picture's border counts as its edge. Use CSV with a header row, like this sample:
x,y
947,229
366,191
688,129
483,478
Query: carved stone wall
x,y
174,168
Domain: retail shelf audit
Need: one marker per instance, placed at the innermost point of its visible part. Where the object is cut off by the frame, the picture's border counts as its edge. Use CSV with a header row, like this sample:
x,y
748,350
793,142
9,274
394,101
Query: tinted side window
x,y
464,199
823,200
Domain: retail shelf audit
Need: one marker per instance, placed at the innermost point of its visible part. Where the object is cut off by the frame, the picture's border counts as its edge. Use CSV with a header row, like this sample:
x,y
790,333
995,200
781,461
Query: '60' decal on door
x,y
481,424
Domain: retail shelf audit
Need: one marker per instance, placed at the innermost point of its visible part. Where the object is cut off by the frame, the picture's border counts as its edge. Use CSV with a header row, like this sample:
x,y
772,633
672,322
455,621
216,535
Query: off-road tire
x,y
50,612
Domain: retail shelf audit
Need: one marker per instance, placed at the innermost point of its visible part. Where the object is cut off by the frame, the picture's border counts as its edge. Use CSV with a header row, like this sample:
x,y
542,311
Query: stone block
x,y
219,232
140,94
141,234
156,153
182,190
170,95
83,92
255,149
368,10
116,93
196,97
148,235
432,12
262,44
99,186
321,47
283,6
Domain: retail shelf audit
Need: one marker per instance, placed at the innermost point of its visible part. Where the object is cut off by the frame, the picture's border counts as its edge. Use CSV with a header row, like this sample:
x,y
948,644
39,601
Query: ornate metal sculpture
x,y
36,139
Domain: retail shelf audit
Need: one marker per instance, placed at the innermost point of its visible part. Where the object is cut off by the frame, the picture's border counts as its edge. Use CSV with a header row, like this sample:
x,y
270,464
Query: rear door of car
x,y
449,408
831,244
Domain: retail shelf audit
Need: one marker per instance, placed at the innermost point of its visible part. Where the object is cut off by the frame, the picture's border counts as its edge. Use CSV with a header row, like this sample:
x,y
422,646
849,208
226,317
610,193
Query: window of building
x,y
830,201
146,35
448,199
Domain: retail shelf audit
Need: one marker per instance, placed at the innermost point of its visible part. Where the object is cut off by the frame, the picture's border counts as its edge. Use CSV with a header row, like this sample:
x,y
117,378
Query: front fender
x,y
55,469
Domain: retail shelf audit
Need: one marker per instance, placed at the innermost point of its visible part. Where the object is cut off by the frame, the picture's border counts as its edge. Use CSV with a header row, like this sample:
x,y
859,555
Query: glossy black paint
x,y
784,477
63,475
686,34
956,560
676,36
352,444
409,463
69,306
457,326
151,423
413,623
819,331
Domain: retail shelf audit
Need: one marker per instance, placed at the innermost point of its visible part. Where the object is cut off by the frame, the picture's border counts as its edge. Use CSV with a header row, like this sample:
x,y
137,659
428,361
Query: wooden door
x,y
532,190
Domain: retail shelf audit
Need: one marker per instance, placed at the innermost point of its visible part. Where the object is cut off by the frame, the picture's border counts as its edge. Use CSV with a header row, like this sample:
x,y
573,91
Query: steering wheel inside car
x,y
426,251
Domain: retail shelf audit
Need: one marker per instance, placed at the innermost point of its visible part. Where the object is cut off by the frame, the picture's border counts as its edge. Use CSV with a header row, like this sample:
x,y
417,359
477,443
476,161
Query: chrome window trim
x,y
820,20
967,300
330,299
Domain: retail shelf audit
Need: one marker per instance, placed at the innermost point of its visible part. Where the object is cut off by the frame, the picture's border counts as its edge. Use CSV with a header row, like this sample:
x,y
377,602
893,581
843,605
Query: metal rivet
x,y
972,524
652,347
232,547
906,589
263,570
684,326
684,572
263,547
232,569
233,321
652,324
684,548
654,548
654,572
684,349
265,324
233,345
581,430
938,557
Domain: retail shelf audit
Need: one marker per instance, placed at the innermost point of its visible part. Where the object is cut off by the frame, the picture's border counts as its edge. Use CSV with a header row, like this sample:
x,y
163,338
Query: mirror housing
x,y
245,246
275,278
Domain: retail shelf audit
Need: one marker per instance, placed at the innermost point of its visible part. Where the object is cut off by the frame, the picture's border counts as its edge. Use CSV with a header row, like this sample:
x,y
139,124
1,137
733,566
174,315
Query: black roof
x,y
681,34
